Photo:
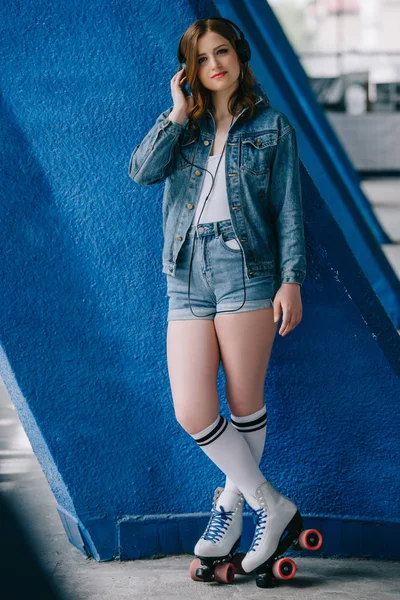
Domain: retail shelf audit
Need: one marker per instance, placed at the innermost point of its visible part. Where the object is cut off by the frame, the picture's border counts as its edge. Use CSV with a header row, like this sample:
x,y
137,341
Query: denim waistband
x,y
215,228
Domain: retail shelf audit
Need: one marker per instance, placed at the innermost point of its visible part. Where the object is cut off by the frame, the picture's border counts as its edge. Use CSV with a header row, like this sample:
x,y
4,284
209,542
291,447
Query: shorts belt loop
x,y
216,226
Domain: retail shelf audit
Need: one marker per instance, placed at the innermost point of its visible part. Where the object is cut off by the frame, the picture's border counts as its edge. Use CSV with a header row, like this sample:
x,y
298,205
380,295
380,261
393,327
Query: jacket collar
x,y
206,122
259,99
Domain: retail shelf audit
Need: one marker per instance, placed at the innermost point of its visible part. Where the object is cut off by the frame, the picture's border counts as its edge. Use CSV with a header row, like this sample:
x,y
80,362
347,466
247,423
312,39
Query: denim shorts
x,y
216,278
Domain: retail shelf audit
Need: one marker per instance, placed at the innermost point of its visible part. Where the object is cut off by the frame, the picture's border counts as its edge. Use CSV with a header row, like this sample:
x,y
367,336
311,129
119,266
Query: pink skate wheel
x,y
310,539
194,565
224,573
284,568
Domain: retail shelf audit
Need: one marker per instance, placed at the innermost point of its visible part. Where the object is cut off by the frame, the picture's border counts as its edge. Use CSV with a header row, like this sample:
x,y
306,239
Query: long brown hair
x,y
244,94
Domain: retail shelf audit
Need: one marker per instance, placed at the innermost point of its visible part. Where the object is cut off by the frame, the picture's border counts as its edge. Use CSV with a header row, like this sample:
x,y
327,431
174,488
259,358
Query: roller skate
x,y
283,568
215,551
279,526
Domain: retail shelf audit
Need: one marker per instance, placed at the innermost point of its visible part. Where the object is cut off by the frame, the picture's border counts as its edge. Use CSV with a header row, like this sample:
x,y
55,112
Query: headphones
x,y
244,53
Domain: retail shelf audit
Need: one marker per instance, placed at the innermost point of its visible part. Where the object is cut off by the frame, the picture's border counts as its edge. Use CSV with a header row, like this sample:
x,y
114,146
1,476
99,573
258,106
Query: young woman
x,y
234,256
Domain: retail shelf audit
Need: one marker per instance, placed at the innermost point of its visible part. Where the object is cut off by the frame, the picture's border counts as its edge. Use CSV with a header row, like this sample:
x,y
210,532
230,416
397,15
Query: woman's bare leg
x,y
245,341
193,362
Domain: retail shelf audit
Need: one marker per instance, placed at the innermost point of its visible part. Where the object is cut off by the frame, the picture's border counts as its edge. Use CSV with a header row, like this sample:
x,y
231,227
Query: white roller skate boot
x,y
224,528
275,519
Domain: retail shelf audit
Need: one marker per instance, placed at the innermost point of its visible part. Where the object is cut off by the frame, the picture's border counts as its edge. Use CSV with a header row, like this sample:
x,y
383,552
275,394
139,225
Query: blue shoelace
x,y
217,524
260,519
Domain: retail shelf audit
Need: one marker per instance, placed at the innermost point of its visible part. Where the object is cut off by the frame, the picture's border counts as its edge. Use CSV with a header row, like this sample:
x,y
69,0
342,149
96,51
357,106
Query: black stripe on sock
x,y
215,433
254,429
254,425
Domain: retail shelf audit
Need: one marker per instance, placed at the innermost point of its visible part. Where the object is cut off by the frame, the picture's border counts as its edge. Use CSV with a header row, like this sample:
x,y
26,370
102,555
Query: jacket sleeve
x,y
153,159
286,208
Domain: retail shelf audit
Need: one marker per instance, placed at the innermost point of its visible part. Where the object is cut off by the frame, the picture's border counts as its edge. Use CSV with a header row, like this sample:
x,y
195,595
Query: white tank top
x,y
217,207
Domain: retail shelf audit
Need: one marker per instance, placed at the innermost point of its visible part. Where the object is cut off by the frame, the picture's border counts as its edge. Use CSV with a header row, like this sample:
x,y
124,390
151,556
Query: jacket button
x,y
258,142
198,172
190,206
178,237
206,142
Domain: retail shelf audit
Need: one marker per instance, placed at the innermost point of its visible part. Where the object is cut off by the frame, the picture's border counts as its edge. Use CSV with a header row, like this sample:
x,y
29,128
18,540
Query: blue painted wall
x,y
84,306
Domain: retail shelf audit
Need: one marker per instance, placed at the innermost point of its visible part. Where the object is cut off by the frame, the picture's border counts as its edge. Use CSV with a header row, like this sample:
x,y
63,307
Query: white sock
x,y
228,449
254,430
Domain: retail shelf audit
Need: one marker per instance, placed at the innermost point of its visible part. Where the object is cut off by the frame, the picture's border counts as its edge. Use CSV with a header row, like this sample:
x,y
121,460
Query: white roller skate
x,y
276,519
224,528
215,551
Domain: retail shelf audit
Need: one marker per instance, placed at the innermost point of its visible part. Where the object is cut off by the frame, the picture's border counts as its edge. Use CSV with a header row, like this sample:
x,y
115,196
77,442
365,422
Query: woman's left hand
x,y
288,299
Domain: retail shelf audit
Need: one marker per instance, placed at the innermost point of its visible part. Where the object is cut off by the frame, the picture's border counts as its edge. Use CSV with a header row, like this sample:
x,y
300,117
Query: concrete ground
x,y
22,482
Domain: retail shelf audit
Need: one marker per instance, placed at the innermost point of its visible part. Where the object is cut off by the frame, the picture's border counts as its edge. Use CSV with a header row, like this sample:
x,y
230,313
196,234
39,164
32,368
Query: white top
x,y
217,208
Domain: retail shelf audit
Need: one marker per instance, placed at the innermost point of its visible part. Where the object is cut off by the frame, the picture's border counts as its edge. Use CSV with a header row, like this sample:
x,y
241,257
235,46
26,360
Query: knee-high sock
x,y
228,449
254,430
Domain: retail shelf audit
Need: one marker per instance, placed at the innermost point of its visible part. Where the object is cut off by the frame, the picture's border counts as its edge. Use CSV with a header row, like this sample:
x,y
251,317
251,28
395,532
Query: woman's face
x,y
215,54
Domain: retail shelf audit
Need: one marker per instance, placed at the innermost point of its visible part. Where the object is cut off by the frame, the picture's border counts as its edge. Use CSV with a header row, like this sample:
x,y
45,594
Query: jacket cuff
x,y
172,127
293,277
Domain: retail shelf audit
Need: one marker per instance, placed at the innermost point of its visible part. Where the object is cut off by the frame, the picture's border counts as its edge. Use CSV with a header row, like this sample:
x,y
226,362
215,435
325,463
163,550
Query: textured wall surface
x,y
84,305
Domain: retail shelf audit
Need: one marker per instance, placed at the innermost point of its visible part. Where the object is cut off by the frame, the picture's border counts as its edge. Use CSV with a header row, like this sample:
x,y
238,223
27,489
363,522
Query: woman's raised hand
x,y
182,104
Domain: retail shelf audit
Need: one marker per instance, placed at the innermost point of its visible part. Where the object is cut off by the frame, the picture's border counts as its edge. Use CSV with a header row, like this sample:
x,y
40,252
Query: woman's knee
x,y
242,405
194,423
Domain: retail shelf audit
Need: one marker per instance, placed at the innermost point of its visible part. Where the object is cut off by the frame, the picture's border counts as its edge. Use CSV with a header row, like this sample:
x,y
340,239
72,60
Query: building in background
x,y
350,50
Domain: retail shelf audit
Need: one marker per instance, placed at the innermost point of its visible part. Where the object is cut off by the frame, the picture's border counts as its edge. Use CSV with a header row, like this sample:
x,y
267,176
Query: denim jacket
x,y
262,180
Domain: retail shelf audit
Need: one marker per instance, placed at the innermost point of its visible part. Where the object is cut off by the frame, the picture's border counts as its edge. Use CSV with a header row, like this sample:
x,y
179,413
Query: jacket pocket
x,y
257,151
185,149
228,236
